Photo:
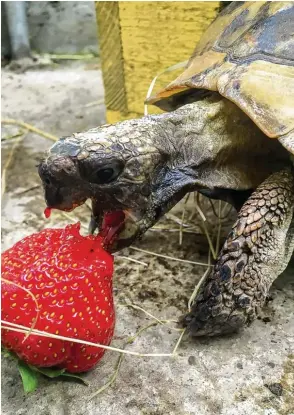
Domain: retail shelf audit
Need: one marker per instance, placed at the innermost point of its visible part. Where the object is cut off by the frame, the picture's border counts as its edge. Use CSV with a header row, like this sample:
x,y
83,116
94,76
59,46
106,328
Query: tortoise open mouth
x,y
112,224
119,228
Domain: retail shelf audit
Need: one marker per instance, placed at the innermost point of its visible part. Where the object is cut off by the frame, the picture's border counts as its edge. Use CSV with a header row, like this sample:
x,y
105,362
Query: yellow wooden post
x,y
140,39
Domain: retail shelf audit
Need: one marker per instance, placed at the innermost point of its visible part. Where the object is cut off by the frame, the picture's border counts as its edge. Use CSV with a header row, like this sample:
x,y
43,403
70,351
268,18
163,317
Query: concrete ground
x,y
249,373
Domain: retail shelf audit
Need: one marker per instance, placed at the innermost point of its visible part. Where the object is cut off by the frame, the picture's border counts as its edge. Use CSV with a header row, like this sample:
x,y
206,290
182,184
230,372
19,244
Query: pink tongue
x,y
113,219
112,223
47,212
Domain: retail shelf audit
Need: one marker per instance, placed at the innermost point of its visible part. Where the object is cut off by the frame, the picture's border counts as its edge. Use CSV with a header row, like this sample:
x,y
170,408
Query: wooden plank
x,y
147,37
116,116
156,35
109,33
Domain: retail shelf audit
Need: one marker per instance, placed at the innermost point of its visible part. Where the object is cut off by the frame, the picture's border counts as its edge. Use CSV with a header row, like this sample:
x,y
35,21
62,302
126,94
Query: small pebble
x,y
275,388
192,360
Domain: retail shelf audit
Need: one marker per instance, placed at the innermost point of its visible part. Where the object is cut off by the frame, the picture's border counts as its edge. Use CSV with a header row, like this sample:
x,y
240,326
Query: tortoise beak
x,y
59,194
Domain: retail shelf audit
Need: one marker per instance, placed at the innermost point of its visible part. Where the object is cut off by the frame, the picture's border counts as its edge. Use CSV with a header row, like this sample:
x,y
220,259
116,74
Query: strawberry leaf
x,y
48,371
78,377
28,376
55,373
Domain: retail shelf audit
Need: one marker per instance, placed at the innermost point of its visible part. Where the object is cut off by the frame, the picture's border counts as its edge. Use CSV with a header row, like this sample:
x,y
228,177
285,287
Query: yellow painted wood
x,y
112,60
116,116
148,36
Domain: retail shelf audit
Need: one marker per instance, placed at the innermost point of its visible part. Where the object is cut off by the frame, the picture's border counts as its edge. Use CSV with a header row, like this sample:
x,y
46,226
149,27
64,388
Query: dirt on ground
x,y
229,375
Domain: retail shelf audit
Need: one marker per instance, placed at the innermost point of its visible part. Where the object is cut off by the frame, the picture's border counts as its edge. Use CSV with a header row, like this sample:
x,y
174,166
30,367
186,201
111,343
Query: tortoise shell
x,y
247,56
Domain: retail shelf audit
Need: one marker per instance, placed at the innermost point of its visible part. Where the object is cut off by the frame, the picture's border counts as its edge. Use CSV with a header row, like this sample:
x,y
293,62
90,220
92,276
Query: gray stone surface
x,y
251,373
61,27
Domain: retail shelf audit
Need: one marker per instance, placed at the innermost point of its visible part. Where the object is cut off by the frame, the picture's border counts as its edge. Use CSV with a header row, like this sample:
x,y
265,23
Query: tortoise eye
x,y
106,174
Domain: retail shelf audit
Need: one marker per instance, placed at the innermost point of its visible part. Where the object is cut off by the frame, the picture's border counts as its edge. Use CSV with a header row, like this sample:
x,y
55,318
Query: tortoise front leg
x,y
257,250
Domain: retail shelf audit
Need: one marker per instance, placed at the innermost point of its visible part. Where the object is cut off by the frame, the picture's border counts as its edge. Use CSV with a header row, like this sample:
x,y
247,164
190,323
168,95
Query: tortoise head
x,y
121,169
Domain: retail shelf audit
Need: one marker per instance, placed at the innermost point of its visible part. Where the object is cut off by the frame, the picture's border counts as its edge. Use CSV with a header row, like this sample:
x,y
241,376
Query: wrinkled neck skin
x,y
217,147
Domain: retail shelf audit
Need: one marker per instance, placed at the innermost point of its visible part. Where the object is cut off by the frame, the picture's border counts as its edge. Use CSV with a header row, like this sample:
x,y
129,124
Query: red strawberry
x,y
71,279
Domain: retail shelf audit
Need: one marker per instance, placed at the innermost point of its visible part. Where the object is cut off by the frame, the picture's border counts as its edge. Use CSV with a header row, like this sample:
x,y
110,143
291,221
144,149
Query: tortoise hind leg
x,y
257,250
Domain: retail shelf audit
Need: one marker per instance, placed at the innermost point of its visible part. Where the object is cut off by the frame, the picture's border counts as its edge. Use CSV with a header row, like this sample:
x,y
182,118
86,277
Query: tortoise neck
x,y
190,134
217,144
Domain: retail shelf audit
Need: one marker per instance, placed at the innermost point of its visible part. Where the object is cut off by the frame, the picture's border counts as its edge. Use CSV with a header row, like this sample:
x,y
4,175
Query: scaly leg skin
x,y
257,250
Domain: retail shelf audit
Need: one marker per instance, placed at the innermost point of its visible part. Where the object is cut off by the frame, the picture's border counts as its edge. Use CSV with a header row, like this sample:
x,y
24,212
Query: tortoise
x,y
228,132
